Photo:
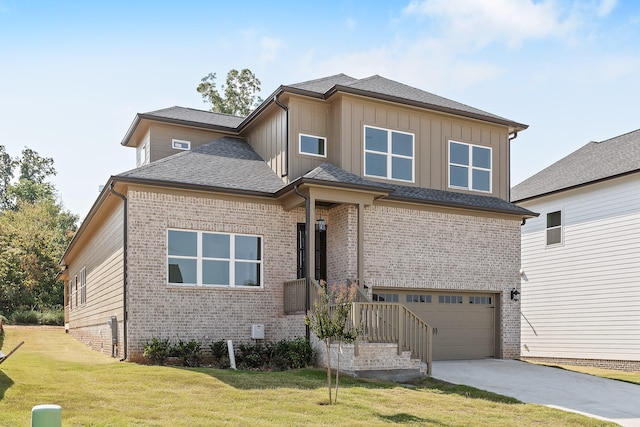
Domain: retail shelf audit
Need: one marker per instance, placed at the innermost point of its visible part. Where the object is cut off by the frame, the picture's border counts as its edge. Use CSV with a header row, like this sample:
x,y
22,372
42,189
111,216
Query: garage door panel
x,y
463,326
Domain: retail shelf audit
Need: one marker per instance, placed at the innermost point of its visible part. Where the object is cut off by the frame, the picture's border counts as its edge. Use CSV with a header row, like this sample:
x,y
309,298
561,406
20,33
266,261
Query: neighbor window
x,y
388,154
469,166
214,259
142,159
554,228
179,144
70,286
313,145
83,286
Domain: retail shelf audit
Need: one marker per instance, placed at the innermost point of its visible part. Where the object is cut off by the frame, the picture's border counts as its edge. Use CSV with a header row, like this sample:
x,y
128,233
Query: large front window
x,y
388,154
214,259
469,166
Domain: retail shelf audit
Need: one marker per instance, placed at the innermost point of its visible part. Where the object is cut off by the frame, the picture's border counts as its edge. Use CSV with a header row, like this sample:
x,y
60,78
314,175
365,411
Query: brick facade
x,y
619,365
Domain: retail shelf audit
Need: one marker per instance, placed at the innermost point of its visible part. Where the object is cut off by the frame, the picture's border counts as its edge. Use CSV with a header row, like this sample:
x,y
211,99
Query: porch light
x,y
321,225
515,295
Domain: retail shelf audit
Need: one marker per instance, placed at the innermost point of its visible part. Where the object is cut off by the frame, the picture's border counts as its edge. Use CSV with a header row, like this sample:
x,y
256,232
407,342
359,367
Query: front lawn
x,y
95,390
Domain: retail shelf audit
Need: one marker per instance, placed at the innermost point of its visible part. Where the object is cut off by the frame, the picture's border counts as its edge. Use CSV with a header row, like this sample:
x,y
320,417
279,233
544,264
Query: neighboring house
x,y
580,258
407,192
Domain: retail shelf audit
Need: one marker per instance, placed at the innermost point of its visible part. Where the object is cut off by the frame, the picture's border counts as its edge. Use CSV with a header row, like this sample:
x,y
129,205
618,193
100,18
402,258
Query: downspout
x,y
124,272
285,171
511,137
307,228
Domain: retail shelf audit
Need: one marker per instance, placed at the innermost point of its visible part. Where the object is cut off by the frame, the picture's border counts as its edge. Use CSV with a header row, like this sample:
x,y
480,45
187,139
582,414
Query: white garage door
x,y
463,323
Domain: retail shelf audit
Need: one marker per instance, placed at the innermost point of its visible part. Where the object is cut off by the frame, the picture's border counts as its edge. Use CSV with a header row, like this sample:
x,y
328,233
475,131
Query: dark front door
x,y
320,252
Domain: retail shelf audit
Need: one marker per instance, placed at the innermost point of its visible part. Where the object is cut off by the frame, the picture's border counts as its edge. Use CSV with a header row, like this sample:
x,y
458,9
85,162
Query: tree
x,y
238,96
34,231
329,322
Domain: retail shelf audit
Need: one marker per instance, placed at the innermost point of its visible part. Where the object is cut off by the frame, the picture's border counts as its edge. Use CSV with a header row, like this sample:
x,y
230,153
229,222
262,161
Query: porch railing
x,y
294,295
394,323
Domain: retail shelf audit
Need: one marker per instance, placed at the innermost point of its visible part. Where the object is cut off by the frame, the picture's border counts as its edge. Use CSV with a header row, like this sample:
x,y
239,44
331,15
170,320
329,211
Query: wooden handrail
x,y
294,295
393,322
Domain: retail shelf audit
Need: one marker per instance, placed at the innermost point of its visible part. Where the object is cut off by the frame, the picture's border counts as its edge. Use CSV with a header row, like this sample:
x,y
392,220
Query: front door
x,y
320,252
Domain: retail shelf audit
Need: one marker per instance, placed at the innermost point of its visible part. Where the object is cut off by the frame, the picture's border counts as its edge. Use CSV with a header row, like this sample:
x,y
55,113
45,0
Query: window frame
x,y
470,167
199,258
555,227
306,153
83,286
389,155
180,141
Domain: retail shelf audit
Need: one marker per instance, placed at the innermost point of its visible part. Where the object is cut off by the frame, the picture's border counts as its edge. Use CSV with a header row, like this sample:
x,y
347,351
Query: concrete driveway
x,y
609,400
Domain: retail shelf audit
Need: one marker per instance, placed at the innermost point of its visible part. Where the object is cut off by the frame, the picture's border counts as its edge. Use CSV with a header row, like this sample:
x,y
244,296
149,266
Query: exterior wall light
x,y
321,225
515,295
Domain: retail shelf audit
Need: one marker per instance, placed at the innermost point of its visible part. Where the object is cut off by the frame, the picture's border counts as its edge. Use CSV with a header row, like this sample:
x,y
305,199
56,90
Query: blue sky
x,y
74,74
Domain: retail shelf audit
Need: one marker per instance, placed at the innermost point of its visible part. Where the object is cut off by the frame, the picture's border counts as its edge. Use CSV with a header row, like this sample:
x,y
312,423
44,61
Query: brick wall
x,y
620,365
413,248
157,309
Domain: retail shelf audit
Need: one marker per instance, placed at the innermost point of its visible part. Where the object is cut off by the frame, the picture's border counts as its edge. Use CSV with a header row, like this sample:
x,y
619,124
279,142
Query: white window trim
x,y
561,227
305,153
199,258
470,167
180,141
389,155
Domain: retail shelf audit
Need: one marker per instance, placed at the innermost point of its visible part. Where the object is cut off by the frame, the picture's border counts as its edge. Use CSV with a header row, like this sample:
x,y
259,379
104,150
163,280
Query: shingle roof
x,y
593,162
333,174
196,116
322,85
227,163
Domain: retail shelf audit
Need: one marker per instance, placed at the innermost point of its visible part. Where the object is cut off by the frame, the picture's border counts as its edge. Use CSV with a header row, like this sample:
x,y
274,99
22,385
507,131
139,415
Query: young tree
x,y
329,322
238,96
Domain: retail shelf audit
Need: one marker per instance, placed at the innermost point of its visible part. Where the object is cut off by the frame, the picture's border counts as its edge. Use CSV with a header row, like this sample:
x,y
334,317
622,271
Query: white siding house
x,y
581,257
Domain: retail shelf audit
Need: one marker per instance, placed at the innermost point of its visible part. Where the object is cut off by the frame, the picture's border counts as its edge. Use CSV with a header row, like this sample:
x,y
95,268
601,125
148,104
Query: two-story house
x,y
403,190
580,268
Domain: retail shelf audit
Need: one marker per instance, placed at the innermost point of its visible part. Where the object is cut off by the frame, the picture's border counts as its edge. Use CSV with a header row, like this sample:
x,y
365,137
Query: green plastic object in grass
x,y
46,416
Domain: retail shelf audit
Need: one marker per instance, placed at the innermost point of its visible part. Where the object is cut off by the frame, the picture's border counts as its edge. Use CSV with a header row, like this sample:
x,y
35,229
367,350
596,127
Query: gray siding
x,y
161,136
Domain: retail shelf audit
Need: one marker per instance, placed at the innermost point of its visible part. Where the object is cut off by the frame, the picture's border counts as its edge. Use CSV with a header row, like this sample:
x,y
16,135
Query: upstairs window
x,y
178,144
469,167
388,154
554,228
313,145
142,155
214,259
83,286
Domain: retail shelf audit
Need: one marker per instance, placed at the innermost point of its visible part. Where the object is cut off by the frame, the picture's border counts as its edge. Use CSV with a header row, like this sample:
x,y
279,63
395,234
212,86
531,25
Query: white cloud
x,y
269,48
606,6
478,23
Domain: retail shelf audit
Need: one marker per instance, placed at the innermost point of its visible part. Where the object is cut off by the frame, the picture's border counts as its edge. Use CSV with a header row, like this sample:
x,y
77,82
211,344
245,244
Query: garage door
x,y
463,323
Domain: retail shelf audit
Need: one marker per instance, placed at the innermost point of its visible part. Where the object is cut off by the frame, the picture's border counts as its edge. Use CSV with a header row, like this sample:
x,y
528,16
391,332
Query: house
x,y
580,269
402,190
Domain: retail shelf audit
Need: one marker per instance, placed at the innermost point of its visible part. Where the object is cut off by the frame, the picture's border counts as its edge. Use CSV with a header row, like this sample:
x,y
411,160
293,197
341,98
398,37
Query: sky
x,y
73,74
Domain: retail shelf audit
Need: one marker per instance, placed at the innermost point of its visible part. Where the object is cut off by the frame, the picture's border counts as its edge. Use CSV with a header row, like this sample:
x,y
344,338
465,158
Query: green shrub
x,y
157,350
26,317
220,354
189,351
51,317
277,356
300,353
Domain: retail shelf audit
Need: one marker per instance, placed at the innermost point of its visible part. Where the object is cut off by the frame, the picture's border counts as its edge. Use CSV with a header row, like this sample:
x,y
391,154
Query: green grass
x,y
630,377
95,390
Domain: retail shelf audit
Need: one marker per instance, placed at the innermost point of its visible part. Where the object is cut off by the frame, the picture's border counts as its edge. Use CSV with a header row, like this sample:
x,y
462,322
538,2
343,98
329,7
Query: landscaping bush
x,y
51,317
26,317
275,356
189,351
220,354
157,350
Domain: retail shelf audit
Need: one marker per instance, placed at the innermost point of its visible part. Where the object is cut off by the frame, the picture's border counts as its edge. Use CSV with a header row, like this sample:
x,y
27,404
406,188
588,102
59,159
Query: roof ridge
x,y
616,137
194,109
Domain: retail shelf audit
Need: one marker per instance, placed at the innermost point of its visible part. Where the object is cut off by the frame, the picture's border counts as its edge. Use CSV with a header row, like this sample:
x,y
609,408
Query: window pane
x,y
182,270
215,245
458,176
248,247
376,139
183,243
247,274
554,219
402,144
402,168
376,165
482,157
312,145
215,272
554,235
458,153
481,180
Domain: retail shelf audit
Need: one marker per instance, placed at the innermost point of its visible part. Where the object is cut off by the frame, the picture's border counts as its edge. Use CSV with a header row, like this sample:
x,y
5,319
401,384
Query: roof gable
x,y
593,162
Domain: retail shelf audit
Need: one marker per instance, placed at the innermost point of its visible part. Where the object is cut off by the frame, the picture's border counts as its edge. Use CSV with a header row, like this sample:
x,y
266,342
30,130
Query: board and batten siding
x,y
162,135
103,260
580,298
267,138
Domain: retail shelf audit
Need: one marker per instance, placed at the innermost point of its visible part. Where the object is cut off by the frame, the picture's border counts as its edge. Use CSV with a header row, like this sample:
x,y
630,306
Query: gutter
x,y
124,270
285,171
510,138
